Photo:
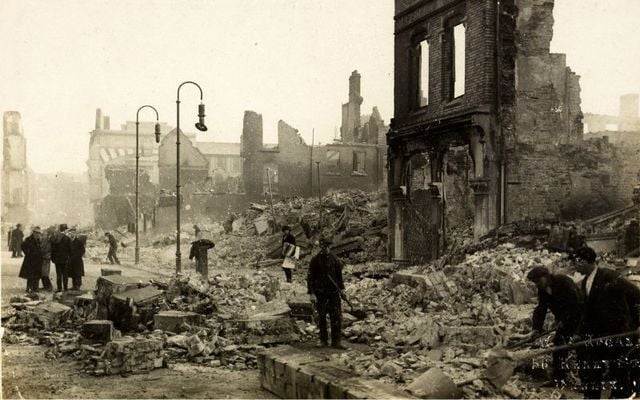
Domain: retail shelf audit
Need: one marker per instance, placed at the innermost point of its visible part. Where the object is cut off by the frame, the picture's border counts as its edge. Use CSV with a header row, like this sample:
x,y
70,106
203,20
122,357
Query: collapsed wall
x,y
550,170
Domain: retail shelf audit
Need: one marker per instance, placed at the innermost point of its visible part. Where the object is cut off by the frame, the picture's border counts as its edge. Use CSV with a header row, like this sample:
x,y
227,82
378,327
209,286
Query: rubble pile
x,y
124,355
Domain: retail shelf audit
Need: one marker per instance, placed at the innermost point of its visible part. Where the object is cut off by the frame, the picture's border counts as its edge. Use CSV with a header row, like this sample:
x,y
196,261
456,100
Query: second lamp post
x,y
157,133
201,127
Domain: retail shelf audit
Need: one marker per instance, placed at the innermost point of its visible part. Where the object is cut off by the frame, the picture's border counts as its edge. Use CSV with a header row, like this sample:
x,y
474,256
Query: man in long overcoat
x,y
16,241
31,269
60,255
76,264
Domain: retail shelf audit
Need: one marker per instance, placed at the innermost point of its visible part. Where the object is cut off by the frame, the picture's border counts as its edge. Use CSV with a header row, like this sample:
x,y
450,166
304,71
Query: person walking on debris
x,y
113,249
17,237
288,251
560,295
76,264
31,268
611,307
325,288
199,251
45,246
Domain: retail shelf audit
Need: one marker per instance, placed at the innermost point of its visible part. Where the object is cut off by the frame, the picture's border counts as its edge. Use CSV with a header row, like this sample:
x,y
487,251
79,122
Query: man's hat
x,y
36,229
537,273
286,228
63,227
584,253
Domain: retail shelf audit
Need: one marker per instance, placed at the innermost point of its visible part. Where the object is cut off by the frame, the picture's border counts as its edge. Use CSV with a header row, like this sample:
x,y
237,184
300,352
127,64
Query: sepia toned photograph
x,y
320,199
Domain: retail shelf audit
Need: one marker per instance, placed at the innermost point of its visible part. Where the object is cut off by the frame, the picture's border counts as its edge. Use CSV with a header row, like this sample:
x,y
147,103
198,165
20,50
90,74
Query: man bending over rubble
x,y
325,288
561,295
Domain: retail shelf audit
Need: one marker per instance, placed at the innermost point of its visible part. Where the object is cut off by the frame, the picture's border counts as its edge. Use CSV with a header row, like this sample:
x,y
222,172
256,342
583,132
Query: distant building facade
x,y
15,173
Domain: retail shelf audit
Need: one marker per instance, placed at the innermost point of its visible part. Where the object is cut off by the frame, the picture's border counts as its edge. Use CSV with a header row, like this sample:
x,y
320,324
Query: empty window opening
x,y
358,163
423,77
458,54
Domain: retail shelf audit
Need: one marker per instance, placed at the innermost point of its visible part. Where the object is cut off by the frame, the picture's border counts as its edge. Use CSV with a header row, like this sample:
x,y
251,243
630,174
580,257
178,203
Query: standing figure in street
x,y
611,307
31,269
199,251
113,248
560,295
45,246
288,251
16,241
76,264
325,288
60,255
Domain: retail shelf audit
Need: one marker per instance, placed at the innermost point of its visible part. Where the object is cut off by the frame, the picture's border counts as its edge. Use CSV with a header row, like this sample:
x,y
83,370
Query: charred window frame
x,y
454,52
419,54
333,162
359,159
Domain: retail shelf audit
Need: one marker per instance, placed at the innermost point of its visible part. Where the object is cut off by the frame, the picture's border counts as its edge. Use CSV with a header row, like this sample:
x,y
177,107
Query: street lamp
x,y
157,133
201,127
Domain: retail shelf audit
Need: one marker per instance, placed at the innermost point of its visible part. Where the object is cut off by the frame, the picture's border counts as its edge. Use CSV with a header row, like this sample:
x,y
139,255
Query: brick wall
x,y
431,18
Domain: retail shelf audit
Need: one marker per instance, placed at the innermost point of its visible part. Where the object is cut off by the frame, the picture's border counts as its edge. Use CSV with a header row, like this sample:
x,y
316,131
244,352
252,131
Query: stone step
x,y
292,373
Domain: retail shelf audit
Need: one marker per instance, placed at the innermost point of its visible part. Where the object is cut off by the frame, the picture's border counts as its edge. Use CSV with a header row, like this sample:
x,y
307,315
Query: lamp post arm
x,y
185,82
151,107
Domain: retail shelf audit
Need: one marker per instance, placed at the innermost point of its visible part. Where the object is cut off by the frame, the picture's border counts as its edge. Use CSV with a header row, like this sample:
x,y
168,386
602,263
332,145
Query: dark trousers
x,y
62,276
16,253
288,273
76,282
332,305
113,258
32,284
46,283
559,364
594,361
202,267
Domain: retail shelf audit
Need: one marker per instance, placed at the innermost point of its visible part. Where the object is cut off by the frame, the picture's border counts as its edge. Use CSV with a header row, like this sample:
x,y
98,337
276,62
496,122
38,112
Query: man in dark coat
x,y
31,269
560,295
16,241
325,288
76,264
60,255
288,249
199,251
45,246
113,248
612,304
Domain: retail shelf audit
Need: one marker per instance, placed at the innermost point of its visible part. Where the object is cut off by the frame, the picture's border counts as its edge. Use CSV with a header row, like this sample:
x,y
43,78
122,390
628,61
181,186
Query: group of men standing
x,y
63,247
604,304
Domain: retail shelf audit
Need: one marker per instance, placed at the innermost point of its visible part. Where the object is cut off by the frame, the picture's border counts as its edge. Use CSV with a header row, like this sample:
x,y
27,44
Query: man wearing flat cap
x,y
611,307
325,288
560,295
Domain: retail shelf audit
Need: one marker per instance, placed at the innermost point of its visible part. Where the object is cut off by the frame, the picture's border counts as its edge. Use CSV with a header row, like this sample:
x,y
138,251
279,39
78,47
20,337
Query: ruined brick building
x,y
16,176
357,160
487,126
624,127
112,168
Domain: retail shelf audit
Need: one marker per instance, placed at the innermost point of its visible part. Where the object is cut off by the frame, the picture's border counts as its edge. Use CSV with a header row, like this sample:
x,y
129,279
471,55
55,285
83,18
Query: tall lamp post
x,y
157,133
201,127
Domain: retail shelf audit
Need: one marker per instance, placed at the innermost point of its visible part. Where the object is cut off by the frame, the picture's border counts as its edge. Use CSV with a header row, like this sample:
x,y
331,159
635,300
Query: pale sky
x,y
286,59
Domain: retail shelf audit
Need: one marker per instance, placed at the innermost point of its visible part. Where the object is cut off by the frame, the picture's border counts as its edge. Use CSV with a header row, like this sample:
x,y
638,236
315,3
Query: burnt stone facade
x,y
487,125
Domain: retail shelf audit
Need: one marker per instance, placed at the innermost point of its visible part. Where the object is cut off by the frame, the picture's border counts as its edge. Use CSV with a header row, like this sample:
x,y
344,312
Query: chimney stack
x,y
98,119
107,122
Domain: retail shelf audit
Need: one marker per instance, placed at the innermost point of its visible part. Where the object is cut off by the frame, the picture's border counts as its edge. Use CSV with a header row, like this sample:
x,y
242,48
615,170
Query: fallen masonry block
x,y
472,335
85,300
69,297
106,286
51,314
290,373
98,330
129,355
110,271
264,330
434,384
170,320
133,307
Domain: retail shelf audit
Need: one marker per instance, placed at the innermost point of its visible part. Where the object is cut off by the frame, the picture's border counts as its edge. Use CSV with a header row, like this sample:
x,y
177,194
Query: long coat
x,y
32,263
565,303
60,249
611,306
16,239
76,264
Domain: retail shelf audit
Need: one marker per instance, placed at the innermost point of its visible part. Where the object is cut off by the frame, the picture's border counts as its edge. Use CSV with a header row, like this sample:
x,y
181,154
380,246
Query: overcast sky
x,y
285,59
